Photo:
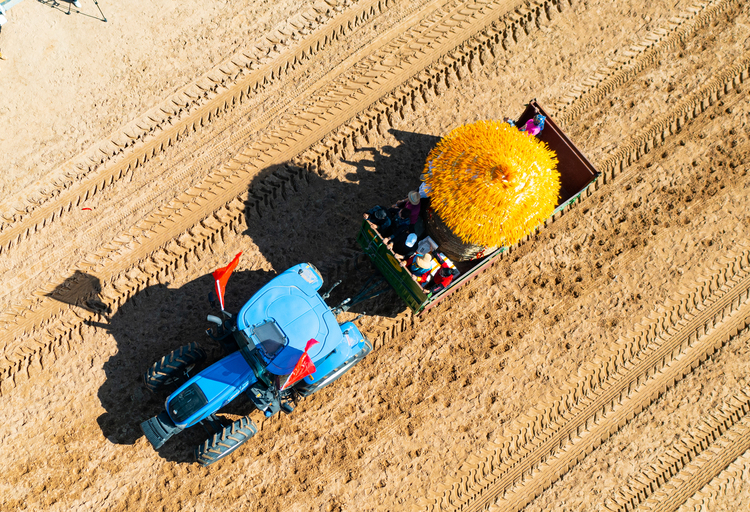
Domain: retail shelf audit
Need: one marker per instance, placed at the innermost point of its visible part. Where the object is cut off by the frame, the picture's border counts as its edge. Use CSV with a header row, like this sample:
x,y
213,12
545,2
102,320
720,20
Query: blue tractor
x,y
267,340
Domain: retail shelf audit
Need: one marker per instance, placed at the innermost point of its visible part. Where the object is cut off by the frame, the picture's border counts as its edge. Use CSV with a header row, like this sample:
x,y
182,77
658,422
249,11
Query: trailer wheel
x,y
173,367
225,442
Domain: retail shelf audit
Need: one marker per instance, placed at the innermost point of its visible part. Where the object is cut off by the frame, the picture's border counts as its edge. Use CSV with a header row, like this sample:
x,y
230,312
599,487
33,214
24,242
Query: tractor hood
x,y
285,314
210,390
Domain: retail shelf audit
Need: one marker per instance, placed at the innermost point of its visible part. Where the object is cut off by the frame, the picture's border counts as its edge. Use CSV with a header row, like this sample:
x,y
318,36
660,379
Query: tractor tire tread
x,y
170,368
225,442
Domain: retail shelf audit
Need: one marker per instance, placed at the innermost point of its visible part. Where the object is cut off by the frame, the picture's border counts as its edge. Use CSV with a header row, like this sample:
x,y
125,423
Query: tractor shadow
x,y
317,219
149,325
317,222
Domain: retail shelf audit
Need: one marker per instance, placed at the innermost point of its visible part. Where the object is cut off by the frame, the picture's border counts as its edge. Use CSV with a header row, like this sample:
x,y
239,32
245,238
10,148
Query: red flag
x,y
303,368
221,276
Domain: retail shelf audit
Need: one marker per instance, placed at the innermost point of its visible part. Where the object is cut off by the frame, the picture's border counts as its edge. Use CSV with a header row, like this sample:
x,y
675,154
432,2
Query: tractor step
x,y
159,429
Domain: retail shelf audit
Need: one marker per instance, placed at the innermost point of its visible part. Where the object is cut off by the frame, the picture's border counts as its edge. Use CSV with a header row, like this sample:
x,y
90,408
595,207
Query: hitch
x,y
328,293
375,285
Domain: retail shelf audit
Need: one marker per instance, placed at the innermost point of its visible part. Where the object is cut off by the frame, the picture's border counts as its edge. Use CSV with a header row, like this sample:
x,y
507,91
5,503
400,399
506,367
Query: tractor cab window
x,y
270,339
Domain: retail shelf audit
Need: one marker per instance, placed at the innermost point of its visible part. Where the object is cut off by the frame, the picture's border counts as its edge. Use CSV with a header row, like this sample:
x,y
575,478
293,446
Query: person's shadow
x,y
317,220
81,290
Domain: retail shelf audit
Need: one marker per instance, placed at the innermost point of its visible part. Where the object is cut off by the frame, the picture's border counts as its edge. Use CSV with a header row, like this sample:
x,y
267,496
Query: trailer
x,y
576,175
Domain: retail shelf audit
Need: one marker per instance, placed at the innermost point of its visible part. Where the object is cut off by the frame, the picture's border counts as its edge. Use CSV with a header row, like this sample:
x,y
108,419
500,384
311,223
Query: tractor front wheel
x,y
173,367
225,442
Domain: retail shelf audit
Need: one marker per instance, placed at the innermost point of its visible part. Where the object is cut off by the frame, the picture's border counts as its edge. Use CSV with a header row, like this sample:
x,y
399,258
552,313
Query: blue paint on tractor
x,y
271,332
220,383
292,303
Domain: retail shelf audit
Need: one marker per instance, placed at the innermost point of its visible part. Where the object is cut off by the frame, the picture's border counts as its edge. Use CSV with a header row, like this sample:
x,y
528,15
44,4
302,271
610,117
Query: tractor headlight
x,y
186,403
312,275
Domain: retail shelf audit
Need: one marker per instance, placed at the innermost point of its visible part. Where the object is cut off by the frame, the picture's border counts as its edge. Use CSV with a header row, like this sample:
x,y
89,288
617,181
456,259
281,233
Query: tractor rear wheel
x,y
225,442
173,367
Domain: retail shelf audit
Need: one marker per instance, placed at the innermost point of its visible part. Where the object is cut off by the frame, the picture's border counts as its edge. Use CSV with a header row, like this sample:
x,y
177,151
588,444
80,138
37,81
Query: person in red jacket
x,y
443,278
445,275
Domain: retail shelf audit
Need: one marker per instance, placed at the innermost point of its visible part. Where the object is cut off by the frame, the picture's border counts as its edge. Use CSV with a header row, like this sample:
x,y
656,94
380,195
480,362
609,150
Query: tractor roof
x,y
288,312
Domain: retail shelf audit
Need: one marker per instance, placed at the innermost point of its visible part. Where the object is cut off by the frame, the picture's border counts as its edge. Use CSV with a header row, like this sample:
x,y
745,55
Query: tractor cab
x,y
284,315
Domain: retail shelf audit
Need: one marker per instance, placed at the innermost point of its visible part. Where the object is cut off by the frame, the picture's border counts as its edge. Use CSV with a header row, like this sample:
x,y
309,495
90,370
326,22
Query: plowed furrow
x,y
193,206
706,451
233,178
614,388
228,85
633,60
728,484
702,470
660,323
655,135
157,236
461,56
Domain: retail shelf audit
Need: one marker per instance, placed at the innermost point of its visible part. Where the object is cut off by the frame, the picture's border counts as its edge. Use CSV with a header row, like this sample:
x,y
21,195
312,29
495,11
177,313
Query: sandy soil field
x,y
601,364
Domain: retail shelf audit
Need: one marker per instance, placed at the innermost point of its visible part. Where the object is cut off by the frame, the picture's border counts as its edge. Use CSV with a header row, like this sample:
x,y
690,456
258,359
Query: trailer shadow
x,y
149,325
317,218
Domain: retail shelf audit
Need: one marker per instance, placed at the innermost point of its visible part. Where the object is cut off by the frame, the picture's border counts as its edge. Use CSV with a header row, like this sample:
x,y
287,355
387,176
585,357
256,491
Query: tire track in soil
x,y
25,319
126,205
651,38
292,66
615,387
660,324
696,459
196,105
728,484
655,326
402,326
654,136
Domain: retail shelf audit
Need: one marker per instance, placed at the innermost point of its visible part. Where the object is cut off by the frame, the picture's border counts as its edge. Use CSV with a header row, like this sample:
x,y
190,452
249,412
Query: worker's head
x,y
539,121
414,197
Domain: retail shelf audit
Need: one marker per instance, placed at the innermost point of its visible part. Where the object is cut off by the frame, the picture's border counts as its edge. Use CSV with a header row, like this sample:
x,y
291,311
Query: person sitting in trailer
x,y
383,223
405,243
410,207
443,278
420,265
445,275
535,125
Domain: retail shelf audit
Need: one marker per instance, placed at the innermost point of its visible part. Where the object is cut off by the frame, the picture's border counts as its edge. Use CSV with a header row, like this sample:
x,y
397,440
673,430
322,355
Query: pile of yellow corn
x,y
491,183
